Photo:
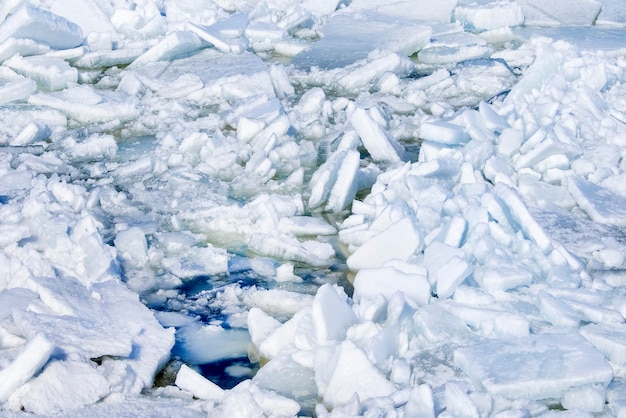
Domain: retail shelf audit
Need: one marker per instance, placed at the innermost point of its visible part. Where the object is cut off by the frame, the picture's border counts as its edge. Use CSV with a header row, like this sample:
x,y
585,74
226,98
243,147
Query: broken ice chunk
x,y
410,280
535,367
172,46
401,240
331,315
348,371
601,204
64,385
444,133
381,146
192,381
16,88
213,37
610,340
49,73
519,216
345,187
41,26
23,47
488,16
28,362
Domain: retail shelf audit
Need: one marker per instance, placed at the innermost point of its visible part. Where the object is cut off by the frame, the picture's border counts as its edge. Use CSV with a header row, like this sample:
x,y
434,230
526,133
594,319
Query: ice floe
x,y
330,208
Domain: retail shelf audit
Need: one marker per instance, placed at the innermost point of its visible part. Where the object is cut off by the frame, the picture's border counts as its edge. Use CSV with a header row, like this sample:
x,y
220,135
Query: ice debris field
x,y
333,208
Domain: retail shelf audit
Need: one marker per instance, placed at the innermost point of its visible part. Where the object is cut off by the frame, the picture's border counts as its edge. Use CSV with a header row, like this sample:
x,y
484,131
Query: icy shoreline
x,y
169,189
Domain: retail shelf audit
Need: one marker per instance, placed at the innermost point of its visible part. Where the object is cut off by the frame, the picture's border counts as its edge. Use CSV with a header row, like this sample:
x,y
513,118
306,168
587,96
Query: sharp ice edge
x,y
143,147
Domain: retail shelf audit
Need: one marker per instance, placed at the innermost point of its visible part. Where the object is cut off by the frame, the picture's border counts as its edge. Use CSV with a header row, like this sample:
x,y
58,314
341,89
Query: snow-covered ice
x,y
320,208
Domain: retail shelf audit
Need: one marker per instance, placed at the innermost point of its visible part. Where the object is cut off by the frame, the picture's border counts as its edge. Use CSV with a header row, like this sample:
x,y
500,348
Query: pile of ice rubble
x,y
476,192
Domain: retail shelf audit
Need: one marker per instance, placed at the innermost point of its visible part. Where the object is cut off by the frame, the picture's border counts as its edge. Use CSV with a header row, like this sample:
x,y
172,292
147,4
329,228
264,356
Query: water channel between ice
x,y
215,300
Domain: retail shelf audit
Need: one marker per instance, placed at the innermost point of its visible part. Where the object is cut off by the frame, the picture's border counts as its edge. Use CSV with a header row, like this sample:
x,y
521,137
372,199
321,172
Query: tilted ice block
x,y
63,386
349,371
610,340
49,73
345,187
172,46
331,315
491,118
381,146
489,16
201,387
260,325
444,133
324,178
451,275
289,378
28,362
213,37
17,89
401,240
41,26
520,217
600,204
364,73
548,62
386,280
535,367
284,336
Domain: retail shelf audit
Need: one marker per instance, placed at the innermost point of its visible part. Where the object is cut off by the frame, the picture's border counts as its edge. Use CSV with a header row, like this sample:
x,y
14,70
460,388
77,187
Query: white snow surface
x,y
354,208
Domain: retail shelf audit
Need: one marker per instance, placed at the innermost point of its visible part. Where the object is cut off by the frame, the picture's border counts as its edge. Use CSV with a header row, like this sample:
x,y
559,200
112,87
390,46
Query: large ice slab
x,y
536,367
561,12
350,37
42,26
